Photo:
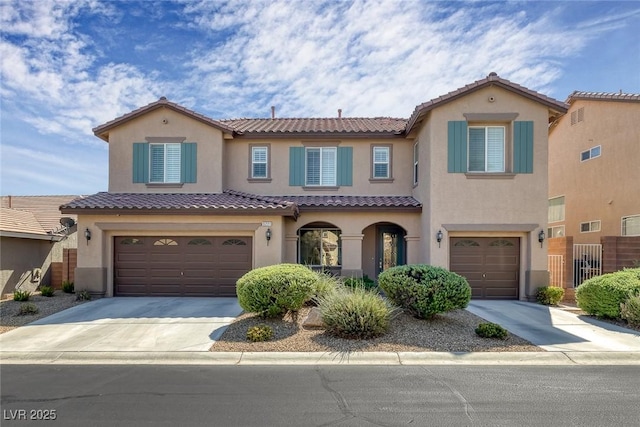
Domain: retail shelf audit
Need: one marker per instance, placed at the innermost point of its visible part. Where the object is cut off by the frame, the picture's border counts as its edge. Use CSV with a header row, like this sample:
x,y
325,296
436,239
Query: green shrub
x,y
630,310
356,313
602,295
491,330
259,333
27,308
359,282
273,291
325,285
46,291
83,295
67,287
549,295
21,295
424,290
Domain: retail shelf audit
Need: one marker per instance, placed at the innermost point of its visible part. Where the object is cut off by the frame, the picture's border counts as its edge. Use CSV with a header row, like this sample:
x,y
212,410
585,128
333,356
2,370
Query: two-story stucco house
x,y
193,202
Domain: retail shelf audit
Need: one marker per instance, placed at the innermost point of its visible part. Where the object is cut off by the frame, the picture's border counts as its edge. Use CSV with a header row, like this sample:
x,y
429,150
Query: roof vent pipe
x,y
339,113
273,112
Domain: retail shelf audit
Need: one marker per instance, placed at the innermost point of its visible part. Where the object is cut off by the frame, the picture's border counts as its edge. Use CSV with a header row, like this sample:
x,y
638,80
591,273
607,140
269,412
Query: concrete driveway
x,y
143,324
555,329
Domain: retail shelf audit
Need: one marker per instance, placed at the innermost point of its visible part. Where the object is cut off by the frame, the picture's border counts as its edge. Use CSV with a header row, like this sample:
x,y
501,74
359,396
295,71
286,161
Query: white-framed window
x,y
591,153
590,226
415,164
381,162
164,162
259,162
631,225
555,231
556,209
486,149
321,166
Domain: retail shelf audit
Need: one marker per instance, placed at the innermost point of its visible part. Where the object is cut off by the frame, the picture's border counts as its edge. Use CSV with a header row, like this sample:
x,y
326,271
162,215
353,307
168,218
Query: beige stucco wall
x,y
238,154
95,259
210,167
486,206
19,257
604,188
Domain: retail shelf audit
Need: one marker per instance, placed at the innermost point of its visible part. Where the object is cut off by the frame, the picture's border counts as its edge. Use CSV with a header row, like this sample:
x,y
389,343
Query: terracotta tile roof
x,y
318,125
603,96
17,221
46,209
491,79
102,131
349,201
145,202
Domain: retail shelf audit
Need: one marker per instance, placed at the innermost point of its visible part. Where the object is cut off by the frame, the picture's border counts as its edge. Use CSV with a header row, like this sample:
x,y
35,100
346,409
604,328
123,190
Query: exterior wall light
x,y
541,237
439,237
87,235
268,235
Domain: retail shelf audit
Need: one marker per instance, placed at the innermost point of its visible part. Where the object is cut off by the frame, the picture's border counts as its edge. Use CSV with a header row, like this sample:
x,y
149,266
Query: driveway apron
x,y
555,329
131,324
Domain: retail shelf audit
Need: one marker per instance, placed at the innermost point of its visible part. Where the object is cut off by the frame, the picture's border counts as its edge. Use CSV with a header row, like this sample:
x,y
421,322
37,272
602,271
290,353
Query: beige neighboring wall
x,y
604,188
96,256
237,152
210,151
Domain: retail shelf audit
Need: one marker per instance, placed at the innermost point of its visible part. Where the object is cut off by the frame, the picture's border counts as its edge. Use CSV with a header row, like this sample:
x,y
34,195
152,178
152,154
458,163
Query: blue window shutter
x,y
296,166
523,147
457,147
345,166
189,162
140,162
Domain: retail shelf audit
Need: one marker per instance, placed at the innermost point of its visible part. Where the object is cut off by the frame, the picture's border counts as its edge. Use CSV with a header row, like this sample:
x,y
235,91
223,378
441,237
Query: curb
x,y
357,358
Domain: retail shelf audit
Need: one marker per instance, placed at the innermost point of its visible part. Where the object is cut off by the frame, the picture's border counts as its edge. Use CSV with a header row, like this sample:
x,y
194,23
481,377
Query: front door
x,y
390,248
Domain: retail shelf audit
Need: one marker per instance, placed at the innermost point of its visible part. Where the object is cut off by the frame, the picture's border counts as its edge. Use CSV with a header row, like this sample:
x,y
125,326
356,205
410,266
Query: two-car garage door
x,y
491,265
180,266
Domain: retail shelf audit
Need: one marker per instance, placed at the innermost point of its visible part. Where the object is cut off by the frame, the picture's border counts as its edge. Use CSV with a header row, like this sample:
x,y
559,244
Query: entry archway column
x,y
351,255
413,249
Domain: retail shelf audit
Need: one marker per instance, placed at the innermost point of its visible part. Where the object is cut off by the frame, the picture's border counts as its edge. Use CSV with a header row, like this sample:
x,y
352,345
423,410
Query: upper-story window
x,y
164,163
590,226
381,162
556,209
259,162
415,164
590,153
321,165
486,149
631,225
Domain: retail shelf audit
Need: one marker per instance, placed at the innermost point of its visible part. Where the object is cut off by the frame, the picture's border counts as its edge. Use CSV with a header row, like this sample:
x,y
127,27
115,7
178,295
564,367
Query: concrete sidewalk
x,y
554,329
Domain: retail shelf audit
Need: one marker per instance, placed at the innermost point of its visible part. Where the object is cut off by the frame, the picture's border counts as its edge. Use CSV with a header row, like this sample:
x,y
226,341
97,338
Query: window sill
x,y
320,188
489,175
164,185
258,179
380,180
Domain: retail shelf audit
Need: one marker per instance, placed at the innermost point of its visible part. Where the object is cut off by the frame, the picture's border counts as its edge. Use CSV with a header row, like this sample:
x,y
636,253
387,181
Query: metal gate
x,y
587,262
555,265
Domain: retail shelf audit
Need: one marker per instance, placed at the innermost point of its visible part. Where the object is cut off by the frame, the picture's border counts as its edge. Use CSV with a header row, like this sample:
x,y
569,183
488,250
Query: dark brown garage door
x,y
180,266
490,264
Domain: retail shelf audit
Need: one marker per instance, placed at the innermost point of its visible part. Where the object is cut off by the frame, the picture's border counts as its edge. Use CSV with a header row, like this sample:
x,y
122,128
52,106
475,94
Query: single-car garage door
x,y
491,265
180,266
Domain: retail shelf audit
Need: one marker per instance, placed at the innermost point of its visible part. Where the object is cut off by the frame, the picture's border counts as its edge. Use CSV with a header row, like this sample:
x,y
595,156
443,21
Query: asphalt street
x,y
160,395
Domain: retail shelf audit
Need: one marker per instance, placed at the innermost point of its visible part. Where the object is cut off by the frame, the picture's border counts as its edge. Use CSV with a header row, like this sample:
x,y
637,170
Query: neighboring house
x,y
594,182
35,246
193,203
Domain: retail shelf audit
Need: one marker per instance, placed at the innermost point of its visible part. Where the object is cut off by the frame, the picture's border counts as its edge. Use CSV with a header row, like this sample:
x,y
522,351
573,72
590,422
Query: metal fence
x,y
555,265
587,262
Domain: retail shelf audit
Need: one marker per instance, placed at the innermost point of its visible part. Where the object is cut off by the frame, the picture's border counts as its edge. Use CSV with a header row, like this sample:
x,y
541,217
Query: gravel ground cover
x,y
10,319
450,332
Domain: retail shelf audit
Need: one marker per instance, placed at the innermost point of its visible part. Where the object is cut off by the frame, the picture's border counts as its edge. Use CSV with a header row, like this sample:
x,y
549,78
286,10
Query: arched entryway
x,y
320,247
384,246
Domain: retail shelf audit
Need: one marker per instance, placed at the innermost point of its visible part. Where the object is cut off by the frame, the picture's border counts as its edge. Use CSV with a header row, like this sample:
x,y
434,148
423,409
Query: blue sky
x,y
68,66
